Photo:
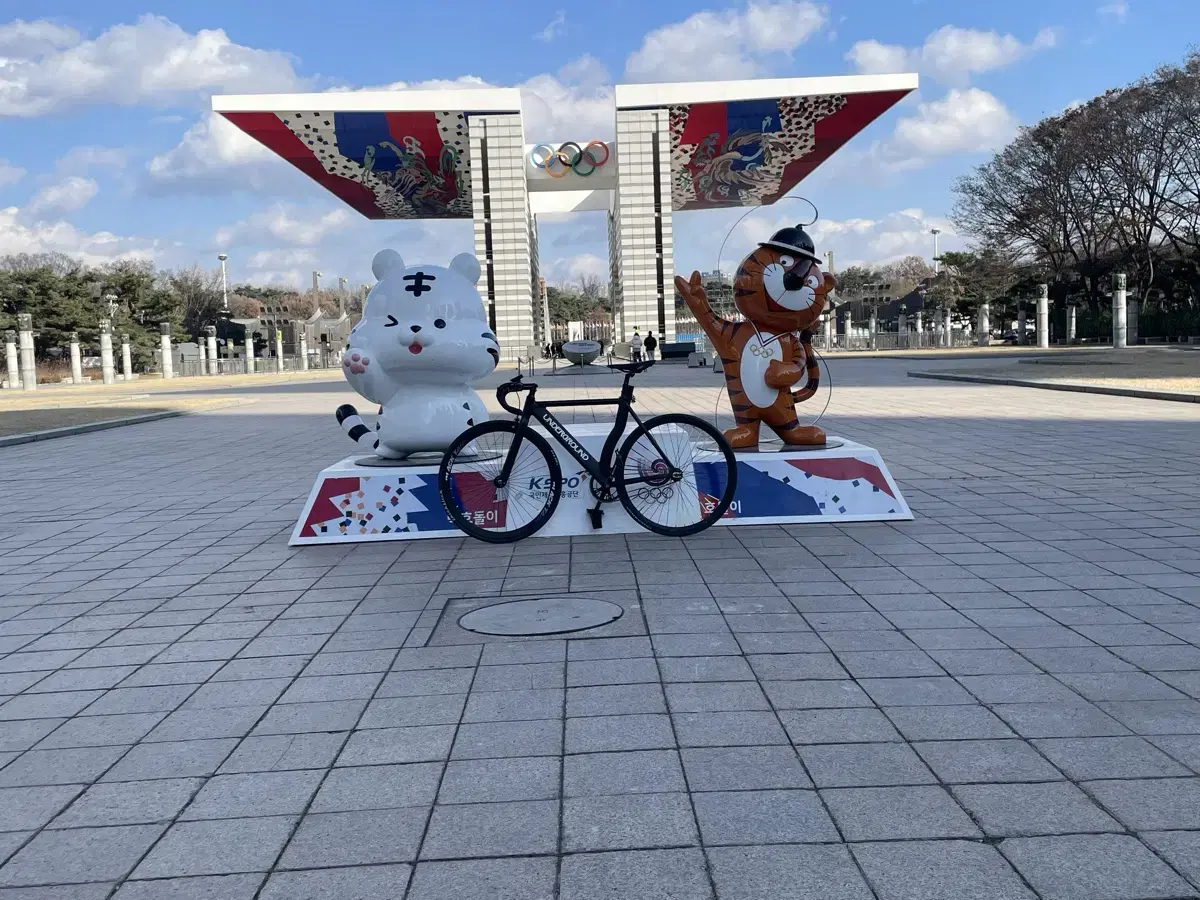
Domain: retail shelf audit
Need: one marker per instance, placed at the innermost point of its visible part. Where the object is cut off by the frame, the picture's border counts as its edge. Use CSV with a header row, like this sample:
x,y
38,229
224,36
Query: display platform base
x,y
844,482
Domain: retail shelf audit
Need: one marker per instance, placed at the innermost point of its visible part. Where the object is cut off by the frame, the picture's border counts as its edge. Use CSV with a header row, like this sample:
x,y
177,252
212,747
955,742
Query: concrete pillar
x,y
278,349
872,327
827,325
76,360
210,337
126,358
902,325
847,328
107,373
1119,312
1132,306
1043,316
949,329
1071,323
985,325
10,357
920,325
304,347
168,364
249,354
1021,325
28,359
203,363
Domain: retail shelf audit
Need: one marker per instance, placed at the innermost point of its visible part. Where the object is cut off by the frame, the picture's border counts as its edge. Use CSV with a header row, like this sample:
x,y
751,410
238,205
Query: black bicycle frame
x,y
600,470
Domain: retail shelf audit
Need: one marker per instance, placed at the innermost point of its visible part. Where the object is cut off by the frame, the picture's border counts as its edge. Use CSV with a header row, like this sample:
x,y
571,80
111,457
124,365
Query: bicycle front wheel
x,y
514,509
676,475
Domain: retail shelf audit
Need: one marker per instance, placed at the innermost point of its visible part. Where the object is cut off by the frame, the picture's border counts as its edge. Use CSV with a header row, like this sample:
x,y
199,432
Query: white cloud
x,y
950,54
1118,9
47,68
727,44
81,160
216,153
286,224
964,121
569,269
16,236
556,29
10,174
66,196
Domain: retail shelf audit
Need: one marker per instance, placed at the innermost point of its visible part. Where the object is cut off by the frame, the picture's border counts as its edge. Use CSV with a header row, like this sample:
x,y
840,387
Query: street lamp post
x,y
224,283
316,281
936,259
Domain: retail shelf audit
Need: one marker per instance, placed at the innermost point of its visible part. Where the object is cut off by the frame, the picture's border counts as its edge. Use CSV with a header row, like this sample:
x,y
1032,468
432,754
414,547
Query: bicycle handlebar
x,y
512,387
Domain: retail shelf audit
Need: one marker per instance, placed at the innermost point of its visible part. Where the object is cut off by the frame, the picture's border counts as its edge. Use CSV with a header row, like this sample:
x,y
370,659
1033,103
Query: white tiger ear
x,y
384,262
466,265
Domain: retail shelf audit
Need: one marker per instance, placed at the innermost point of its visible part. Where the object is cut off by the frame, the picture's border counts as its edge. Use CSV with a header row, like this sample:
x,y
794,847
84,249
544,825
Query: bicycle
x,y
500,481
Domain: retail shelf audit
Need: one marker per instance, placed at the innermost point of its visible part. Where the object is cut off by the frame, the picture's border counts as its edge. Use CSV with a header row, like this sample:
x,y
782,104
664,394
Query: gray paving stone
x,y
387,882
256,794
10,841
874,765
437,658
483,879
616,699
609,648
492,829
171,759
512,706
877,813
584,673
939,870
923,691
499,780
1076,718
358,838
743,768
307,718
204,887
1151,804
248,692
520,676
36,767
1093,867
918,723
782,642
79,855
787,873
796,666
889,663
378,787
198,724
836,726
762,817
1180,848
101,731
423,683
29,808
487,740
967,762
635,772
597,734
659,874
821,694
48,706
1183,747
1085,759
1006,810
397,745
1081,659
281,752
727,729
1148,717
715,696
523,652
129,803
667,645
705,668
627,822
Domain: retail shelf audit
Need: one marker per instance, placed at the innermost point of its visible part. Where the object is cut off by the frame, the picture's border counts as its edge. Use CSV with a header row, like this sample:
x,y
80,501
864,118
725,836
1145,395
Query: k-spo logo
x,y
542,483
553,425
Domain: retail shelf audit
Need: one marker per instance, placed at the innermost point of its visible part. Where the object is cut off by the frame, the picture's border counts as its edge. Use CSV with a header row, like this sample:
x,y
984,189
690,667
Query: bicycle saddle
x,y
633,367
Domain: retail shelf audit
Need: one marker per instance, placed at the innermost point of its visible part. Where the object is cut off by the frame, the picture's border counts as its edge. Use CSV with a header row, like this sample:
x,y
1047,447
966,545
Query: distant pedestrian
x,y
651,343
635,347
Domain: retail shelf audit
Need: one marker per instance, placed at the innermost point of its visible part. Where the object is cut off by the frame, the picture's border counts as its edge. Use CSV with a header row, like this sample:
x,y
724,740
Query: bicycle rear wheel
x,y
517,508
675,475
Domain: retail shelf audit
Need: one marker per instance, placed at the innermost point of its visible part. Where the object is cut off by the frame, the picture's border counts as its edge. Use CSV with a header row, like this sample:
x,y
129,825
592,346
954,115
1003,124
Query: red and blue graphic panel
x,y
752,152
387,165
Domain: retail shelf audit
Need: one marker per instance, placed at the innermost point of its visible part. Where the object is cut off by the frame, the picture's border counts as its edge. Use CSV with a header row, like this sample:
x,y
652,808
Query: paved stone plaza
x,y
997,700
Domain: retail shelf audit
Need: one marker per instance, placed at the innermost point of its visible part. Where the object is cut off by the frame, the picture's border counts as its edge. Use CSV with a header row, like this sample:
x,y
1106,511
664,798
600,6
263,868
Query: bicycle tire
x,y
722,448
451,500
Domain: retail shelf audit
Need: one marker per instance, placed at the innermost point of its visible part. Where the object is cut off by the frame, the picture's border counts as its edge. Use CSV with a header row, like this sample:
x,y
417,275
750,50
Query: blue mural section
x,y
758,494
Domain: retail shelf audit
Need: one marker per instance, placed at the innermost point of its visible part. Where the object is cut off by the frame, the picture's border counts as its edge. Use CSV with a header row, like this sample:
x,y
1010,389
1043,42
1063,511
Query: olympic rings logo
x,y
569,157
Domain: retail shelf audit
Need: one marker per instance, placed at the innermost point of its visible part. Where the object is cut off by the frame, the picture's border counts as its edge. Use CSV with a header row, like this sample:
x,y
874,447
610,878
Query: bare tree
x,y
198,294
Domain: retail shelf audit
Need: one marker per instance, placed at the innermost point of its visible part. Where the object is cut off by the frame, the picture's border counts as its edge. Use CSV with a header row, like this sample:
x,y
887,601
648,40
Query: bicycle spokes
x,y
659,474
518,501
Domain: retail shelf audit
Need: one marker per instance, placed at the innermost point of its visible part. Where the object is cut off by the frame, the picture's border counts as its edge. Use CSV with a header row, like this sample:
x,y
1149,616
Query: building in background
x,y
463,154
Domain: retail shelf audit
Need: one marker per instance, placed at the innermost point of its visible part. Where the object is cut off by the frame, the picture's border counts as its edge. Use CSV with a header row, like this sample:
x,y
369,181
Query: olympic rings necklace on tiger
x,y
544,156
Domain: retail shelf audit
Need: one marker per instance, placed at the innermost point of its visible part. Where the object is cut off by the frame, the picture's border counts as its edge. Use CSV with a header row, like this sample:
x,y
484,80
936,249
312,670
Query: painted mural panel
x,y
387,165
752,152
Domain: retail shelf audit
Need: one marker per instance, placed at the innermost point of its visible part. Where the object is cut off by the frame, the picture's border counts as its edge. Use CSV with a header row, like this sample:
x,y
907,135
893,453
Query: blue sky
x,y
107,148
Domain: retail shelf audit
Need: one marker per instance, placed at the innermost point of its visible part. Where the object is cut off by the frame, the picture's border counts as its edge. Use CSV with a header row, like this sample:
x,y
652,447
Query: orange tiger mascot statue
x,y
780,289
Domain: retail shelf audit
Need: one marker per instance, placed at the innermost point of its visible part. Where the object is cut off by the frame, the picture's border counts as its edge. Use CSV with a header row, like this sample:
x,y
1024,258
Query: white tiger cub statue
x,y
422,341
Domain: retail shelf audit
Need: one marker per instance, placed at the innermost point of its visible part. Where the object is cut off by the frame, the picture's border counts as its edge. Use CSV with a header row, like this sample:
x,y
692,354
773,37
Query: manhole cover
x,y
549,615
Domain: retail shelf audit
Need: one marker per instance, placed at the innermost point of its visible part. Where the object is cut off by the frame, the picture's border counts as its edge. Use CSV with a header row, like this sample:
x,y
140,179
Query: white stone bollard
x,y
168,363
10,358
1071,323
847,329
126,358
76,360
1119,312
920,326
249,354
27,355
278,349
949,329
303,349
985,325
827,326
902,329
872,328
107,373
200,349
210,332
1043,316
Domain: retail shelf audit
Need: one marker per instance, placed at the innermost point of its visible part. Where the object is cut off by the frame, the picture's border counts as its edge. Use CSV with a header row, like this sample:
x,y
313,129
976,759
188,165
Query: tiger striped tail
x,y
812,366
349,419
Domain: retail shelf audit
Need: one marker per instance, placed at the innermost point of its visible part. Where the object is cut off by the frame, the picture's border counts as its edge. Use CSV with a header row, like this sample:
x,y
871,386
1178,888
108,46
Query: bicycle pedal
x,y
597,517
